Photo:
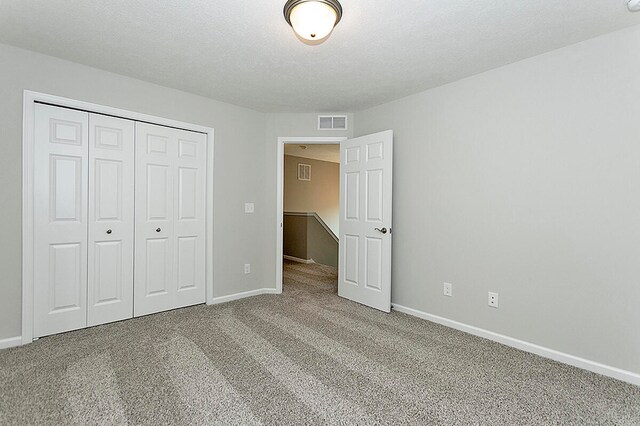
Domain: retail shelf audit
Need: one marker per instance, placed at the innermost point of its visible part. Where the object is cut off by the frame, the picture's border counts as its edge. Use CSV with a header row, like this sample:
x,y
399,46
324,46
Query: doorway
x,y
297,217
311,216
365,224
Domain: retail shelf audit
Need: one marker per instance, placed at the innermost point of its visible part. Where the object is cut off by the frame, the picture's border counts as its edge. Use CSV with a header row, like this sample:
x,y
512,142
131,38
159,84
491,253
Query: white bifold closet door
x,y
83,221
110,195
111,219
170,218
60,219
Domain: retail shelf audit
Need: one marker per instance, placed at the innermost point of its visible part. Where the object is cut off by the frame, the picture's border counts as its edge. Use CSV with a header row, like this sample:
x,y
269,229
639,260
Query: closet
x,y
119,219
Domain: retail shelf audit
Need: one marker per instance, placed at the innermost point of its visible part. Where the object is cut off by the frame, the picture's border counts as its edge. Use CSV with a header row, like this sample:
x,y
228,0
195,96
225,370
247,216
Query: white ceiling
x,y
243,52
327,152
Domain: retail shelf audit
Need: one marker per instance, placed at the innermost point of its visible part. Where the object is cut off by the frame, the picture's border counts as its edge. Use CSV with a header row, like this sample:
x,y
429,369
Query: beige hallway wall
x,y
320,195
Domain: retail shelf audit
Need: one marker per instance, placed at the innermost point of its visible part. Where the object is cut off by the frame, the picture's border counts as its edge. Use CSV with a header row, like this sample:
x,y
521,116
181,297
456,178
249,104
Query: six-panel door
x,y
60,220
90,230
170,222
366,170
111,219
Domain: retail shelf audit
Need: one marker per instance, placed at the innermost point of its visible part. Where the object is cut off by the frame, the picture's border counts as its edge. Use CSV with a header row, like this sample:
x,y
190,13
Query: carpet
x,y
303,357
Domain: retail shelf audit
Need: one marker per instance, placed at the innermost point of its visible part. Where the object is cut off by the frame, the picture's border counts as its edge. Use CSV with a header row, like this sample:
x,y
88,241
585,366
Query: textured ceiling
x,y
329,153
243,52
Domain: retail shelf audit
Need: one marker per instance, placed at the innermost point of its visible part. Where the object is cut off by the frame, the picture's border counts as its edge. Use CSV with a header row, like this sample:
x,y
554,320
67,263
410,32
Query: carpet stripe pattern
x,y
303,357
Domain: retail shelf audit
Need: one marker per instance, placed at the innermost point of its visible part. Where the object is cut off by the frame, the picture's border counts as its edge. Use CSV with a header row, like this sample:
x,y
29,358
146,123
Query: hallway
x,y
311,277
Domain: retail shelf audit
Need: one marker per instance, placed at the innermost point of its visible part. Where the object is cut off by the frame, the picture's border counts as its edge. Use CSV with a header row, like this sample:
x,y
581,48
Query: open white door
x,y
366,173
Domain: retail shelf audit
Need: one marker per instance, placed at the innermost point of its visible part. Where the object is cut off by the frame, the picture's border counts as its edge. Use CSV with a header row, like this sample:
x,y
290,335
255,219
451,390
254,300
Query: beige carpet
x,y
303,357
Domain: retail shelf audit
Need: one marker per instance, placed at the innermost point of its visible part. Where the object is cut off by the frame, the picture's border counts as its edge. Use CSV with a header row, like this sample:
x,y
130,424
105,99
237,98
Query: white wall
x,y
239,164
525,180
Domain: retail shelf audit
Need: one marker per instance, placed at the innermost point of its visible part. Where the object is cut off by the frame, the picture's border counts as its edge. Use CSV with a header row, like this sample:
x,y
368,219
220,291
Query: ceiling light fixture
x,y
313,20
634,5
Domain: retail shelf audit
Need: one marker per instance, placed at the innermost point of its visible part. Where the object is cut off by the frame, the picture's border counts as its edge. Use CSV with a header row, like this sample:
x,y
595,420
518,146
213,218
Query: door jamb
x,y
30,98
282,140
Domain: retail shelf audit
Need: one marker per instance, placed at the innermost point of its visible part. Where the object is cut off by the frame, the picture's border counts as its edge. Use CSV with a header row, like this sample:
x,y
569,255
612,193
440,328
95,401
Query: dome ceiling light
x,y
634,5
313,20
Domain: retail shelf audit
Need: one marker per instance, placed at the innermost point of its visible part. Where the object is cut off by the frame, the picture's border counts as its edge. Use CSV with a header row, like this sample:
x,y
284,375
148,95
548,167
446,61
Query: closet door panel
x,y
158,279
170,218
190,220
111,219
155,288
60,220
158,186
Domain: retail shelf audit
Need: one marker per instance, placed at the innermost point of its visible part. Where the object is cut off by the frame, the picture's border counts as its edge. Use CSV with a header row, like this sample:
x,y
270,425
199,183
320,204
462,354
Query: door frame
x,y
30,98
282,140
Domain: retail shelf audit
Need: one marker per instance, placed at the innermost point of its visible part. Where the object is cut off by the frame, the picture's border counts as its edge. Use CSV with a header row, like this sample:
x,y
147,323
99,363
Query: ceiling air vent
x,y
304,171
332,122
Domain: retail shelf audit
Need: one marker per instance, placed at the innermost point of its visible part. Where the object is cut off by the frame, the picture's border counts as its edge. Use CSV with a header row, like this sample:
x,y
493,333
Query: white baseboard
x,y
575,361
297,259
17,341
242,295
10,342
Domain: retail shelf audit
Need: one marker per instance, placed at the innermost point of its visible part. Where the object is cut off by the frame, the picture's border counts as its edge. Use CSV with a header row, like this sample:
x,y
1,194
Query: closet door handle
x,y
109,231
158,229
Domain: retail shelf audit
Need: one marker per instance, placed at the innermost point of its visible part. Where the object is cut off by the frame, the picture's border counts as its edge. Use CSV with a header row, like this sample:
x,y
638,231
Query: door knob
x,y
109,231
158,229
383,230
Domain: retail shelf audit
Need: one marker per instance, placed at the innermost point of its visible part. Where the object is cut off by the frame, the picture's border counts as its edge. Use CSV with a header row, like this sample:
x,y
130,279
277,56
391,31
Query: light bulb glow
x,y
313,20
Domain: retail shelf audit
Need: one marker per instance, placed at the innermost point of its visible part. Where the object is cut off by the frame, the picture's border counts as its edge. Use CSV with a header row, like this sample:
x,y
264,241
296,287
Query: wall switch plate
x,y
249,208
493,300
247,268
448,289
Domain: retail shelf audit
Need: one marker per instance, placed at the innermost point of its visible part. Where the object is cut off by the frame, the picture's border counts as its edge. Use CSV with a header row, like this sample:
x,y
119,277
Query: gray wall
x,y
525,180
239,165
320,195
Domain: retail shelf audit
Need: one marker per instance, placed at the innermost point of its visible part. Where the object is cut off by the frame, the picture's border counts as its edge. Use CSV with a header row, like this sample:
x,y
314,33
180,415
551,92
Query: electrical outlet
x,y
493,300
249,208
448,289
247,268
